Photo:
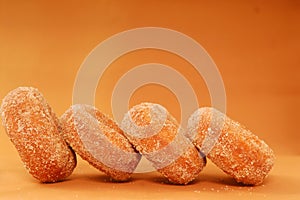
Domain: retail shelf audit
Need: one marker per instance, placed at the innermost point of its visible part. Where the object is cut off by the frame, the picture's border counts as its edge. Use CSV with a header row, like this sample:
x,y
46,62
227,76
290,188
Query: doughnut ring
x,y
99,140
157,136
230,145
34,130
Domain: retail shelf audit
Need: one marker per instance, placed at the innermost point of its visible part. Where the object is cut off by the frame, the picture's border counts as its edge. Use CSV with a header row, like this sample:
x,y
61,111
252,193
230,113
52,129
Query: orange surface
x,y
255,45
87,183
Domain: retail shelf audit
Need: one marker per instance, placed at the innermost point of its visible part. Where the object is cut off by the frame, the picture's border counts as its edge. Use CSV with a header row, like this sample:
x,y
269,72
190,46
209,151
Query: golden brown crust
x,y
237,151
167,149
33,128
99,141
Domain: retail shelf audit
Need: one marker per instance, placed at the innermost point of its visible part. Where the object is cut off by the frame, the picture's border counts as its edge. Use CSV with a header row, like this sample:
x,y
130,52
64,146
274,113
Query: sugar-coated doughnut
x,y
34,130
99,140
157,136
230,145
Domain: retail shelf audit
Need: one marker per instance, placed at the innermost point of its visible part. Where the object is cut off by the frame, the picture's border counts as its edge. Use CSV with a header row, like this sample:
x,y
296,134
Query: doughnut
x,y
34,129
230,145
156,135
99,141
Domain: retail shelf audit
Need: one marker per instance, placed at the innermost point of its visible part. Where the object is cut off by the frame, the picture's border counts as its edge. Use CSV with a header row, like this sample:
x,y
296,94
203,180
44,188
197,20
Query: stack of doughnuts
x,y
47,145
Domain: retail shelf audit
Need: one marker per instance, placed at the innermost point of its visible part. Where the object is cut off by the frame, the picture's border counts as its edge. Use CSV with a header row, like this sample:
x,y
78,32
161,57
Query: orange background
x,y
255,45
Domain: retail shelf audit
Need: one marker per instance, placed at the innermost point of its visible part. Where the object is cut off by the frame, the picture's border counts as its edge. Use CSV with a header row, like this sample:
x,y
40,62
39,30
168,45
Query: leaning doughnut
x,y
155,134
34,130
231,146
99,141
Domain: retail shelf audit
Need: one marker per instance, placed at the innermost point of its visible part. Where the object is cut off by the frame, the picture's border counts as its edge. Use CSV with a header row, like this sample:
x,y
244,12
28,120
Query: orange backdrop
x,y
255,45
